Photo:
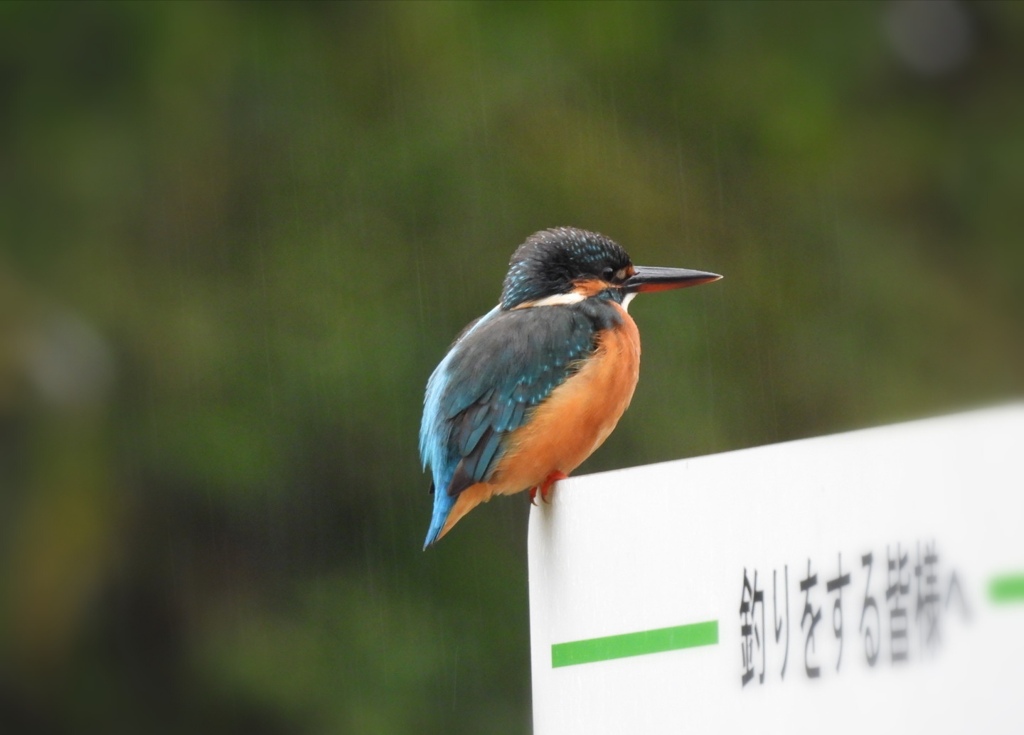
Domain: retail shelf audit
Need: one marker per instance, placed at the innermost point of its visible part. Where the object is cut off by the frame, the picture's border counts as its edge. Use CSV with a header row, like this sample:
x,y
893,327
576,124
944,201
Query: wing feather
x,y
507,364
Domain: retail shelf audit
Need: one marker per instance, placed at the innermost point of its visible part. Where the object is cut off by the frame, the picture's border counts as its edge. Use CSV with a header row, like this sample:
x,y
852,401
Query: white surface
x,y
667,544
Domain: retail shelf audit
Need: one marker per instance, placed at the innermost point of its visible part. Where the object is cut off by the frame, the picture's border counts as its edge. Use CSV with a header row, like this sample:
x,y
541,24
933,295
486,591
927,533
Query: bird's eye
x,y
608,273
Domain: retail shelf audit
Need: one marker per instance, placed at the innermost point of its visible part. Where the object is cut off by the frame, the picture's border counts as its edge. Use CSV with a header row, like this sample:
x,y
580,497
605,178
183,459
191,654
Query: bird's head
x,y
564,265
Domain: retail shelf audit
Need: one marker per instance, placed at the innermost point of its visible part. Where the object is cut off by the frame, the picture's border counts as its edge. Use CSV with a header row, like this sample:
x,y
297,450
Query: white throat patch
x,y
556,300
564,299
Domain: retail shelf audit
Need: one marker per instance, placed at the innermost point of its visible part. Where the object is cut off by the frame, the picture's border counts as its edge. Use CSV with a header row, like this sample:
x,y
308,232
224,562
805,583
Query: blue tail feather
x,y
443,504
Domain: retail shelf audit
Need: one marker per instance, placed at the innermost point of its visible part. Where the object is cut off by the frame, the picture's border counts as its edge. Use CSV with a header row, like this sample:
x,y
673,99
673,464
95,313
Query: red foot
x,y
550,480
545,487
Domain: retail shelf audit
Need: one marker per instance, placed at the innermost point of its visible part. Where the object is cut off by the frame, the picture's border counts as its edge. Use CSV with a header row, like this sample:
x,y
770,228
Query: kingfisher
x,y
533,387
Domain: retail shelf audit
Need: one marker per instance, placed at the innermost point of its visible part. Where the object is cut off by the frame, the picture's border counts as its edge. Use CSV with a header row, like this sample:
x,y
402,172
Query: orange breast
x,y
573,422
578,415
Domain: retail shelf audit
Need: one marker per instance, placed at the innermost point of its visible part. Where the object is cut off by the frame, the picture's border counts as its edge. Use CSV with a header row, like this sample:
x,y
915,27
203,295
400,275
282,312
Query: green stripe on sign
x,y
1006,588
634,644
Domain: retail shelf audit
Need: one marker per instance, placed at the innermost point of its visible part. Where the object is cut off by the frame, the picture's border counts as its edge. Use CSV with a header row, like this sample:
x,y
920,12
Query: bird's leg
x,y
545,487
551,479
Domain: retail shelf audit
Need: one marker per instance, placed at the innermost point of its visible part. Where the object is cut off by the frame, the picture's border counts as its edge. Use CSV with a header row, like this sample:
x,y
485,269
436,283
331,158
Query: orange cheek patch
x,y
591,287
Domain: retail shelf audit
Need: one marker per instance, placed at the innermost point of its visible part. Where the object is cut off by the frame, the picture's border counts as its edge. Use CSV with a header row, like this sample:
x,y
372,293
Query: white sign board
x,y
865,582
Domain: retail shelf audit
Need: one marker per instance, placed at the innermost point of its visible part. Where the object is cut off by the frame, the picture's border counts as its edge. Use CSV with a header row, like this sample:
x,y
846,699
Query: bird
x,y
532,388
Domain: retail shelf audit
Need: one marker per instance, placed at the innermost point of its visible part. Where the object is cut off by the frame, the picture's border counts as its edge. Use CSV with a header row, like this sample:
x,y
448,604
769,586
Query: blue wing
x,y
501,367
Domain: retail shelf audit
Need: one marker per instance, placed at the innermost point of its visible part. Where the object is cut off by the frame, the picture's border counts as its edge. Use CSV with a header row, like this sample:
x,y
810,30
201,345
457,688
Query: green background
x,y
236,238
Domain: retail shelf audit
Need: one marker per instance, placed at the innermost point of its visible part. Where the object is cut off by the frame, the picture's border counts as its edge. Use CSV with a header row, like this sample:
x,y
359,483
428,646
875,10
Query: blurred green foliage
x,y
236,238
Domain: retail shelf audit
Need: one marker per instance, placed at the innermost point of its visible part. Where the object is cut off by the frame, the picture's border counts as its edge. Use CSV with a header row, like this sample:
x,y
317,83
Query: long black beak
x,y
648,278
